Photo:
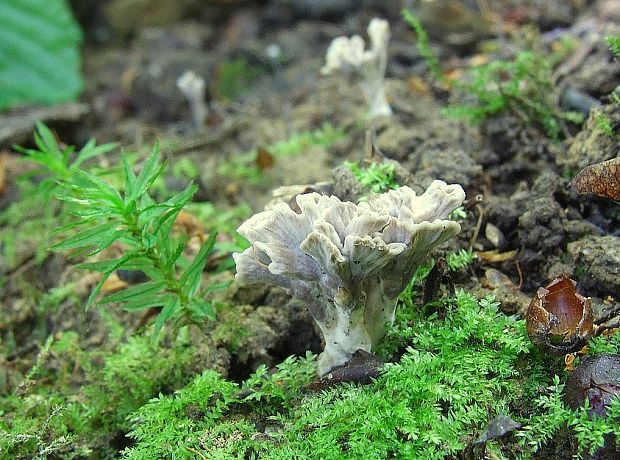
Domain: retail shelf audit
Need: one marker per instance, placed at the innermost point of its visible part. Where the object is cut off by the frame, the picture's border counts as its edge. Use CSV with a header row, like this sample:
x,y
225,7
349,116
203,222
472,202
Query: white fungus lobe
x,y
348,262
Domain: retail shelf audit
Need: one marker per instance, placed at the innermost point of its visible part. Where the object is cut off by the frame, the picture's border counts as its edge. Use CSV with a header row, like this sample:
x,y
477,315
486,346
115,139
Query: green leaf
x,y
119,263
166,313
201,309
192,276
130,177
215,286
101,266
182,198
143,290
151,212
89,237
150,171
91,150
163,224
90,186
40,53
95,292
147,302
71,225
174,255
46,141
108,240
139,262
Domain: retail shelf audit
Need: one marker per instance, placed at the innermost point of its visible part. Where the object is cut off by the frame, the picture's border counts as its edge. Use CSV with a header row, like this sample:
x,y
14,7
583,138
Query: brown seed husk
x,y
600,179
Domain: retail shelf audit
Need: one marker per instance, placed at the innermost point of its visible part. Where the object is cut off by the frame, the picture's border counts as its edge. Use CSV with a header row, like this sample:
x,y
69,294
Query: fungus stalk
x,y
347,55
193,87
348,262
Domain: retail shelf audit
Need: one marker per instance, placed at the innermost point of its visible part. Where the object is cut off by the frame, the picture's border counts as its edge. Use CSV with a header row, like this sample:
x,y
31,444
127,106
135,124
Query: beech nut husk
x,y
559,319
596,379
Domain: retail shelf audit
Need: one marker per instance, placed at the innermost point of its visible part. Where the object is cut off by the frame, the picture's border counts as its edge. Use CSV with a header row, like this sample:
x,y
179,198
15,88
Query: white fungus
x,y
347,55
348,262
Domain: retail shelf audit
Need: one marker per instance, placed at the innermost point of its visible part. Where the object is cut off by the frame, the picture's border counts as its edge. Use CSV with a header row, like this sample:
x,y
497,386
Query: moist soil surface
x,y
261,63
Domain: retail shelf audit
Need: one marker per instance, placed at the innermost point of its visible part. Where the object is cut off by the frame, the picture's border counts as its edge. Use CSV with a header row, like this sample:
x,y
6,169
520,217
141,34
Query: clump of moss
x,y
213,415
74,412
454,370
376,177
428,405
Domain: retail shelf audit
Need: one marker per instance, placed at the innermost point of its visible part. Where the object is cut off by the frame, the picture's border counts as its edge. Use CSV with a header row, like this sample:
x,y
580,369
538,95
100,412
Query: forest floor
x,y
72,380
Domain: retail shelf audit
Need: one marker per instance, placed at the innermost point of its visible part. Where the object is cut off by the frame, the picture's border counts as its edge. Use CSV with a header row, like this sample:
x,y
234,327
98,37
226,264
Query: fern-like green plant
x,y
522,85
131,216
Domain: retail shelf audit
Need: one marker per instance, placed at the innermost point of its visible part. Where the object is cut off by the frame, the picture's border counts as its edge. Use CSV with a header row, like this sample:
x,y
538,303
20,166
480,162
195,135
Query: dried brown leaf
x,y
264,159
113,284
496,256
4,160
600,179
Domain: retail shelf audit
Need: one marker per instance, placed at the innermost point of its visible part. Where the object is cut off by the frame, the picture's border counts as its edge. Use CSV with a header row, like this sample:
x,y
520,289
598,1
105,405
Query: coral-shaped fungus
x,y
347,55
193,87
348,262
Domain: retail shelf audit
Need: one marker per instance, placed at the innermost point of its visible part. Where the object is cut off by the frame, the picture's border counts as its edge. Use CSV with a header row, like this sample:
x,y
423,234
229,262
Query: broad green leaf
x,y
192,276
143,290
40,59
88,237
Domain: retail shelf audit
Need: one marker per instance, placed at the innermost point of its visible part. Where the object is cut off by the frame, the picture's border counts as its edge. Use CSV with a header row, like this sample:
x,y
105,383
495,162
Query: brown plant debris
x,y
600,179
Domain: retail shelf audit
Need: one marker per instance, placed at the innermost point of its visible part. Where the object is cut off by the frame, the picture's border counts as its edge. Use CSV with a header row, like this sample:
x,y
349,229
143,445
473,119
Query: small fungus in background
x,y
347,55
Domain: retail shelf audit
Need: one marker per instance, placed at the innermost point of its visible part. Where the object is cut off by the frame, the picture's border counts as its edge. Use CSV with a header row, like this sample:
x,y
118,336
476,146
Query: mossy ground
x,y
454,365
92,385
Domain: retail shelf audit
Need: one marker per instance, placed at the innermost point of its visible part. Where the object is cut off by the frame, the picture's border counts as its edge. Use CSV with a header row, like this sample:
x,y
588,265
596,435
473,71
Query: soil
x,y
131,64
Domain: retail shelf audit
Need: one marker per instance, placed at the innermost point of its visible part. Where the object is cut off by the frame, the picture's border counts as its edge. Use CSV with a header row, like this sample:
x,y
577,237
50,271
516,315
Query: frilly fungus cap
x,y
348,262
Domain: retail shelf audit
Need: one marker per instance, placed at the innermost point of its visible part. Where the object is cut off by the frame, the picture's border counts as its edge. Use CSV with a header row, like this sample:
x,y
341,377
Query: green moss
x,y
376,177
234,78
454,375
552,416
522,85
209,415
243,165
70,412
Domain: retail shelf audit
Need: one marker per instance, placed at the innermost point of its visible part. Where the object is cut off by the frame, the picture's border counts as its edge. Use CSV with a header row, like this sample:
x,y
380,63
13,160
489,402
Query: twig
x,y
474,236
196,452
520,273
